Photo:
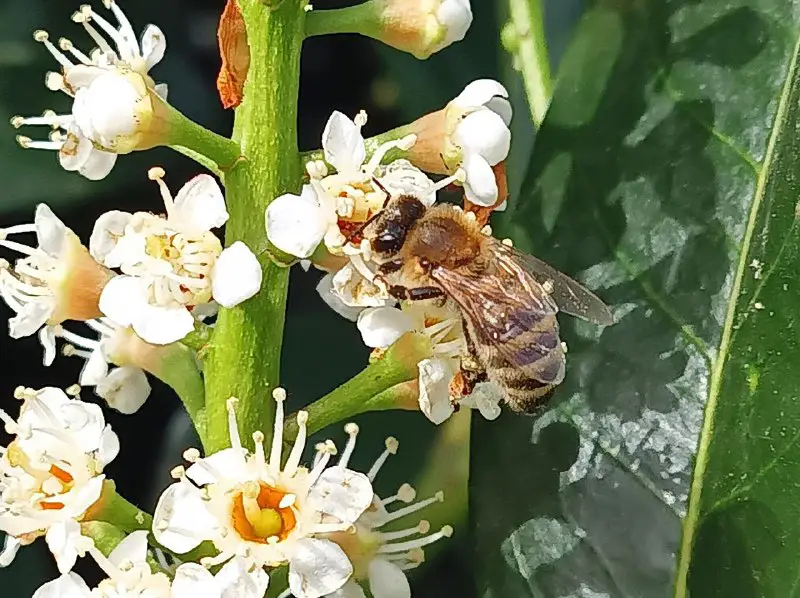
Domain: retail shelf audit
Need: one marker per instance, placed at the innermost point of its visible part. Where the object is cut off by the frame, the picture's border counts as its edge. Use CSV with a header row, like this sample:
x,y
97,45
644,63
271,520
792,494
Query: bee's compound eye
x,y
387,242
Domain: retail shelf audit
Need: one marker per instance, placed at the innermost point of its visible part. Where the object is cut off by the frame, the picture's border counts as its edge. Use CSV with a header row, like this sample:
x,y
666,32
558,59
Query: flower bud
x,y
471,133
422,27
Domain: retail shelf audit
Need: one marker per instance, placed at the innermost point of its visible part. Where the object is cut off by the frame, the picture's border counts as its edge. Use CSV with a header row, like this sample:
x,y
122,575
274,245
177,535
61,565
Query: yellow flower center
x,y
261,512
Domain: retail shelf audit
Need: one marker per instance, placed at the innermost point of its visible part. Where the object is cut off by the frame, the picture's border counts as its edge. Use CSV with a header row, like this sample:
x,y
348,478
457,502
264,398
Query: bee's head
x,y
387,234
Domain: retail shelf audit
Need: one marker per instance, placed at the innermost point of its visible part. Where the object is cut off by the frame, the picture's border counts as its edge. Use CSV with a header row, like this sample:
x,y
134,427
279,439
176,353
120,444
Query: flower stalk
x,y
388,383
204,146
243,358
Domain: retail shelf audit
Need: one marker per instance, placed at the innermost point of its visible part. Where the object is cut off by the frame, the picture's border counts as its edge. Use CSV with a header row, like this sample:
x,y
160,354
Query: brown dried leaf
x,y
235,54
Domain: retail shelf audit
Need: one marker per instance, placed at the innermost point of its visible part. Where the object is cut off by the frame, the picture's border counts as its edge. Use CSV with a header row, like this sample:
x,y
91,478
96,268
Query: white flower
x,y
379,558
172,264
51,473
334,206
481,115
55,281
117,107
124,388
250,506
130,576
423,27
380,327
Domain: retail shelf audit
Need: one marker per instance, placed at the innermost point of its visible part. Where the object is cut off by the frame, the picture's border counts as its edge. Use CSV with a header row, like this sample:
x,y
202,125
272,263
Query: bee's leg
x,y
422,293
416,294
390,267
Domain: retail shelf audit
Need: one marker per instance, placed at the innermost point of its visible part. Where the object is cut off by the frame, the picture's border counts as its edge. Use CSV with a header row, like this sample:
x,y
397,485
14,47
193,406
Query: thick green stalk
x,y
243,358
526,40
361,18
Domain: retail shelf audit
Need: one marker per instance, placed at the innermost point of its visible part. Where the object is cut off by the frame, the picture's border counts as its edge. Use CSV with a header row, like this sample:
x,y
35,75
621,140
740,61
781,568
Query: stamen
x,y
125,27
459,177
233,429
191,455
299,444
362,268
104,563
279,394
157,174
117,37
445,532
423,527
258,440
352,430
405,144
324,452
43,37
28,143
75,339
17,229
83,17
361,119
438,497
67,46
391,449
18,247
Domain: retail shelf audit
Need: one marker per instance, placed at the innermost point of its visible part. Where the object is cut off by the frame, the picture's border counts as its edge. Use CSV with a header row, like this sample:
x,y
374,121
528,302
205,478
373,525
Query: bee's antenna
x,y
380,186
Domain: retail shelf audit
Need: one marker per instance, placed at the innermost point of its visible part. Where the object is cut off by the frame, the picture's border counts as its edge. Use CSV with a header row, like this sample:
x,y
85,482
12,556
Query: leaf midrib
x,y
701,461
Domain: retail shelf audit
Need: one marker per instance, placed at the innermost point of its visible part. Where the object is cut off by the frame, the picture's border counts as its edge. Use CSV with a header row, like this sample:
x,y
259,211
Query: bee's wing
x,y
507,309
571,297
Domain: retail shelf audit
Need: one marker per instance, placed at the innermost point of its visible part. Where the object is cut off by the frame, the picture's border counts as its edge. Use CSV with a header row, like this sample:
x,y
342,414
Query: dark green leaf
x,y
664,178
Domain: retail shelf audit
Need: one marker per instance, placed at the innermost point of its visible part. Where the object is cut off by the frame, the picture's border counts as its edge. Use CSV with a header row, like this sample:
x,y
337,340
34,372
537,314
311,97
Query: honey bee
x,y
508,300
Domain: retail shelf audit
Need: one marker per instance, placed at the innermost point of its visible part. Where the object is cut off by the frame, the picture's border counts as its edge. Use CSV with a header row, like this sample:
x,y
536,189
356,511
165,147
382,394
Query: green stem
x,y
530,48
243,358
388,383
361,18
199,339
213,151
179,371
107,537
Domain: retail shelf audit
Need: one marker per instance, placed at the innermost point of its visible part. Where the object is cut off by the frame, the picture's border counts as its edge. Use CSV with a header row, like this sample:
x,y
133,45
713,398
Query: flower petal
x,y
51,233
75,152
236,275
194,581
47,338
10,549
343,144
325,290
31,317
125,389
484,133
121,299
342,493
485,397
98,164
387,580
162,90
154,45
108,228
133,549
234,580
199,205
225,462
349,590
434,389
181,520
94,370
479,93
62,540
66,586
382,326
480,186
163,325
296,224
317,568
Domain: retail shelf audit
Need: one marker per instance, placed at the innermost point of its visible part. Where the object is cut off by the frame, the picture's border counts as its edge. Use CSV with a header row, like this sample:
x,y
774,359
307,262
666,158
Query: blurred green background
x,y
322,350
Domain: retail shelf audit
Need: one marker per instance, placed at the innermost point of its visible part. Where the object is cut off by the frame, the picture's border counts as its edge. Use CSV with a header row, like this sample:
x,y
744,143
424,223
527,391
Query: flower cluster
x,y
140,298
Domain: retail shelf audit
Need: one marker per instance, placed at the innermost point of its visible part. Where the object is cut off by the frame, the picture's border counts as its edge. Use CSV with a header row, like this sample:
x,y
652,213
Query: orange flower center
x,y
261,512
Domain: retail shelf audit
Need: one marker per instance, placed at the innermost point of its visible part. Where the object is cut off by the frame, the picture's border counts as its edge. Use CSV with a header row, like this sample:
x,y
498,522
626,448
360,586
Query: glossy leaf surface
x,y
664,178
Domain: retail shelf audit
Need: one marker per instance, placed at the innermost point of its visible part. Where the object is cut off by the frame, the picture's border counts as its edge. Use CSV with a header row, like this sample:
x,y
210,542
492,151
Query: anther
x,y
392,445
507,242
487,230
439,496
424,526
191,455
178,473
68,350
351,429
360,119
287,501
406,493
65,44
156,173
279,394
258,437
41,36
17,121
302,418
19,393
24,142
74,390
447,531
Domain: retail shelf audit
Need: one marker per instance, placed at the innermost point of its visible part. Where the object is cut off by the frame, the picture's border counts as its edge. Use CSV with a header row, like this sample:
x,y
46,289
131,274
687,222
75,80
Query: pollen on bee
x,y
507,242
548,286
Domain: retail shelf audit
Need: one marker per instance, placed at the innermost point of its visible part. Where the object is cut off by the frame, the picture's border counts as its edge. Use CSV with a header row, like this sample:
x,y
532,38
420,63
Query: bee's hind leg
x,y
415,294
